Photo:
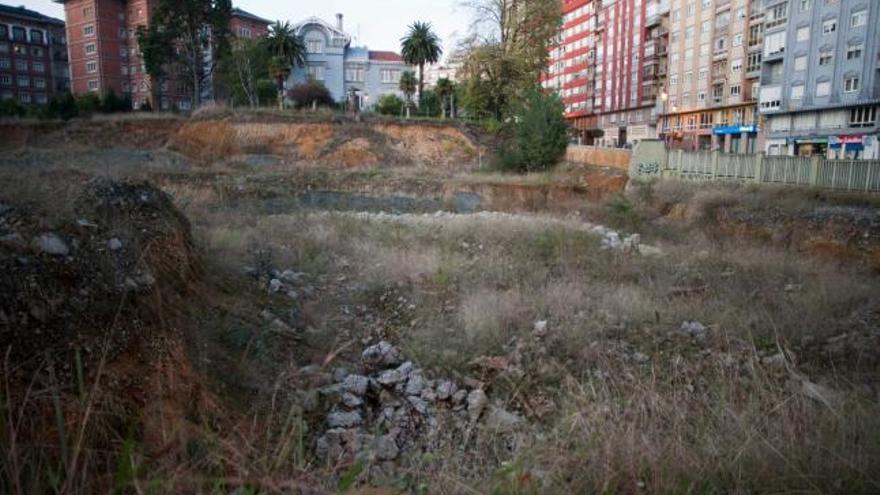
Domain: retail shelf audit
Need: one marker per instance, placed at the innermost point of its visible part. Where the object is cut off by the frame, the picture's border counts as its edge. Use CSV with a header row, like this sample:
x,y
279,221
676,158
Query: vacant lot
x,y
721,357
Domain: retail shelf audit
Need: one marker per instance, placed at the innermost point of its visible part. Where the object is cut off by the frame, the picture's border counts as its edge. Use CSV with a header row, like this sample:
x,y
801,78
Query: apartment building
x,y
571,65
347,71
105,57
33,56
821,78
713,75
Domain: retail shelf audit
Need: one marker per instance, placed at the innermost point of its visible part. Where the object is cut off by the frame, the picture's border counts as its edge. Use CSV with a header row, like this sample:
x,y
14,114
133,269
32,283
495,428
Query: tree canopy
x,y
420,46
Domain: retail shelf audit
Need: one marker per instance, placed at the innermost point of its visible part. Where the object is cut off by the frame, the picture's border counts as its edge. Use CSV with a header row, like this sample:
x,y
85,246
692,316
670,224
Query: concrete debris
x,y
381,354
693,329
540,329
476,402
344,419
51,243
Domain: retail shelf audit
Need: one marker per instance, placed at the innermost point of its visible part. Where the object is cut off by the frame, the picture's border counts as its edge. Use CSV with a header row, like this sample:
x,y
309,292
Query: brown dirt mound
x,y
123,133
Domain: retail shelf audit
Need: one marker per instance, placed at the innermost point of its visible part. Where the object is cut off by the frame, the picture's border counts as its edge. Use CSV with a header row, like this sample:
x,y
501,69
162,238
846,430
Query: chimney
x,y
339,22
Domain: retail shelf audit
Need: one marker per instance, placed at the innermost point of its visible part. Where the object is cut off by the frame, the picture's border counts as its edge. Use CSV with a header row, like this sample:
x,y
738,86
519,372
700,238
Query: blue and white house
x,y
344,69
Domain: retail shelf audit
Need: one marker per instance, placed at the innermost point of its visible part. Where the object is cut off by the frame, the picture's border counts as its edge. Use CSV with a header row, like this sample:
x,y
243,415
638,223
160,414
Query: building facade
x,y
821,78
348,72
713,75
33,56
571,65
105,57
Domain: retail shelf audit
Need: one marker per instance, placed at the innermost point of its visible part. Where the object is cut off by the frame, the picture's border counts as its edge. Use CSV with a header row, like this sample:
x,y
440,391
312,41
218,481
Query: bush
x,y
111,103
429,106
309,93
62,107
540,134
267,92
389,104
12,108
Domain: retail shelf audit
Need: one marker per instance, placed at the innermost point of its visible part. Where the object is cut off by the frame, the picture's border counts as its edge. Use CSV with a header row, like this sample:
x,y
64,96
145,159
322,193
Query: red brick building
x,y
570,66
104,53
33,56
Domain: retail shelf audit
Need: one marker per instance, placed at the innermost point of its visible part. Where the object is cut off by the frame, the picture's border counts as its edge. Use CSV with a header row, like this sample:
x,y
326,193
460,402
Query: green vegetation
x,y
540,134
389,104
420,46
288,50
311,94
408,85
66,106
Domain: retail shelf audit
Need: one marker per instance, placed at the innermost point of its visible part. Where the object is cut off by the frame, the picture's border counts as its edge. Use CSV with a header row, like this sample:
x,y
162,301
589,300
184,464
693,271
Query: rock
x,y
351,400
446,389
476,402
340,374
82,222
386,448
50,243
391,377
693,329
540,329
356,384
500,419
382,354
415,384
114,244
14,241
275,285
459,397
611,240
290,276
632,243
419,404
344,419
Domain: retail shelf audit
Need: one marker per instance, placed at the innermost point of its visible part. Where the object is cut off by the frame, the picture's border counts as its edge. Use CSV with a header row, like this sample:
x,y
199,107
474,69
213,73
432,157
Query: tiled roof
x,y
385,56
27,14
237,12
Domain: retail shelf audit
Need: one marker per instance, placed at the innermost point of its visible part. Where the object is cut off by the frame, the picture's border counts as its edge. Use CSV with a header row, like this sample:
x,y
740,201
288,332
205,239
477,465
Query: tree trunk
x,y
421,81
196,90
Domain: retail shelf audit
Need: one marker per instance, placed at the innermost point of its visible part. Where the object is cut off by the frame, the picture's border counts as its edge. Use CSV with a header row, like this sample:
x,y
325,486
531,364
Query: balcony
x,y
775,56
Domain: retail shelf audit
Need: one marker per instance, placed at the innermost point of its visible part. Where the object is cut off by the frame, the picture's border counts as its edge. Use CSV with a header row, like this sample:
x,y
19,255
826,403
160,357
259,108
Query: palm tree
x,y
408,87
287,49
420,46
444,90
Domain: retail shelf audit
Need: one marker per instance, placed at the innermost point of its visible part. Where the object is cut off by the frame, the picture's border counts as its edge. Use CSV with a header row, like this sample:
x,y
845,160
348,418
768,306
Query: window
x,y
823,88
313,46
803,33
36,36
88,12
93,84
800,62
805,4
738,40
6,80
90,48
704,74
851,84
735,90
89,30
315,72
19,50
40,83
25,97
355,74
123,33
21,65
38,67
826,58
36,52
829,26
858,19
854,51
753,63
797,92
4,33
736,65
18,33
23,81
390,76
41,98
4,63
863,117
4,47
91,67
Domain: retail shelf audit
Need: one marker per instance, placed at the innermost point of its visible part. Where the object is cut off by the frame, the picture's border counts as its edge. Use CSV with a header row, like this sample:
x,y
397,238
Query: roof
x,y
28,15
333,30
237,12
380,56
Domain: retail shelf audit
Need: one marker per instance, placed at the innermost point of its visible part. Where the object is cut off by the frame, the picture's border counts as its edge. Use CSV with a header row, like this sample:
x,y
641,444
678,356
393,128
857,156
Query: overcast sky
x,y
379,24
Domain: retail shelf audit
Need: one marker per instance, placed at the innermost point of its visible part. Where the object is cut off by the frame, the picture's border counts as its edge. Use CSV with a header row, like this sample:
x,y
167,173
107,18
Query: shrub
x,y
429,105
540,134
111,103
267,92
88,104
309,93
62,107
389,105
12,108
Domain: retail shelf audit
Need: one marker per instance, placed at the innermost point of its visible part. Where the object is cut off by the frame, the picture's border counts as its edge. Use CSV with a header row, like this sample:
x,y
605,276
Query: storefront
x,y
736,138
811,146
847,147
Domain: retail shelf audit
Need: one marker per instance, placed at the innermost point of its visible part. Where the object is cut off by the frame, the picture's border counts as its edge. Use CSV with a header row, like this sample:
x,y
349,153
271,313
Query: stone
x,y
351,400
459,397
114,244
344,419
540,329
390,377
275,285
50,243
499,419
611,240
290,276
446,389
415,384
386,448
429,394
693,329
476,402
382,354
631,243
340,374
356,384
419,404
